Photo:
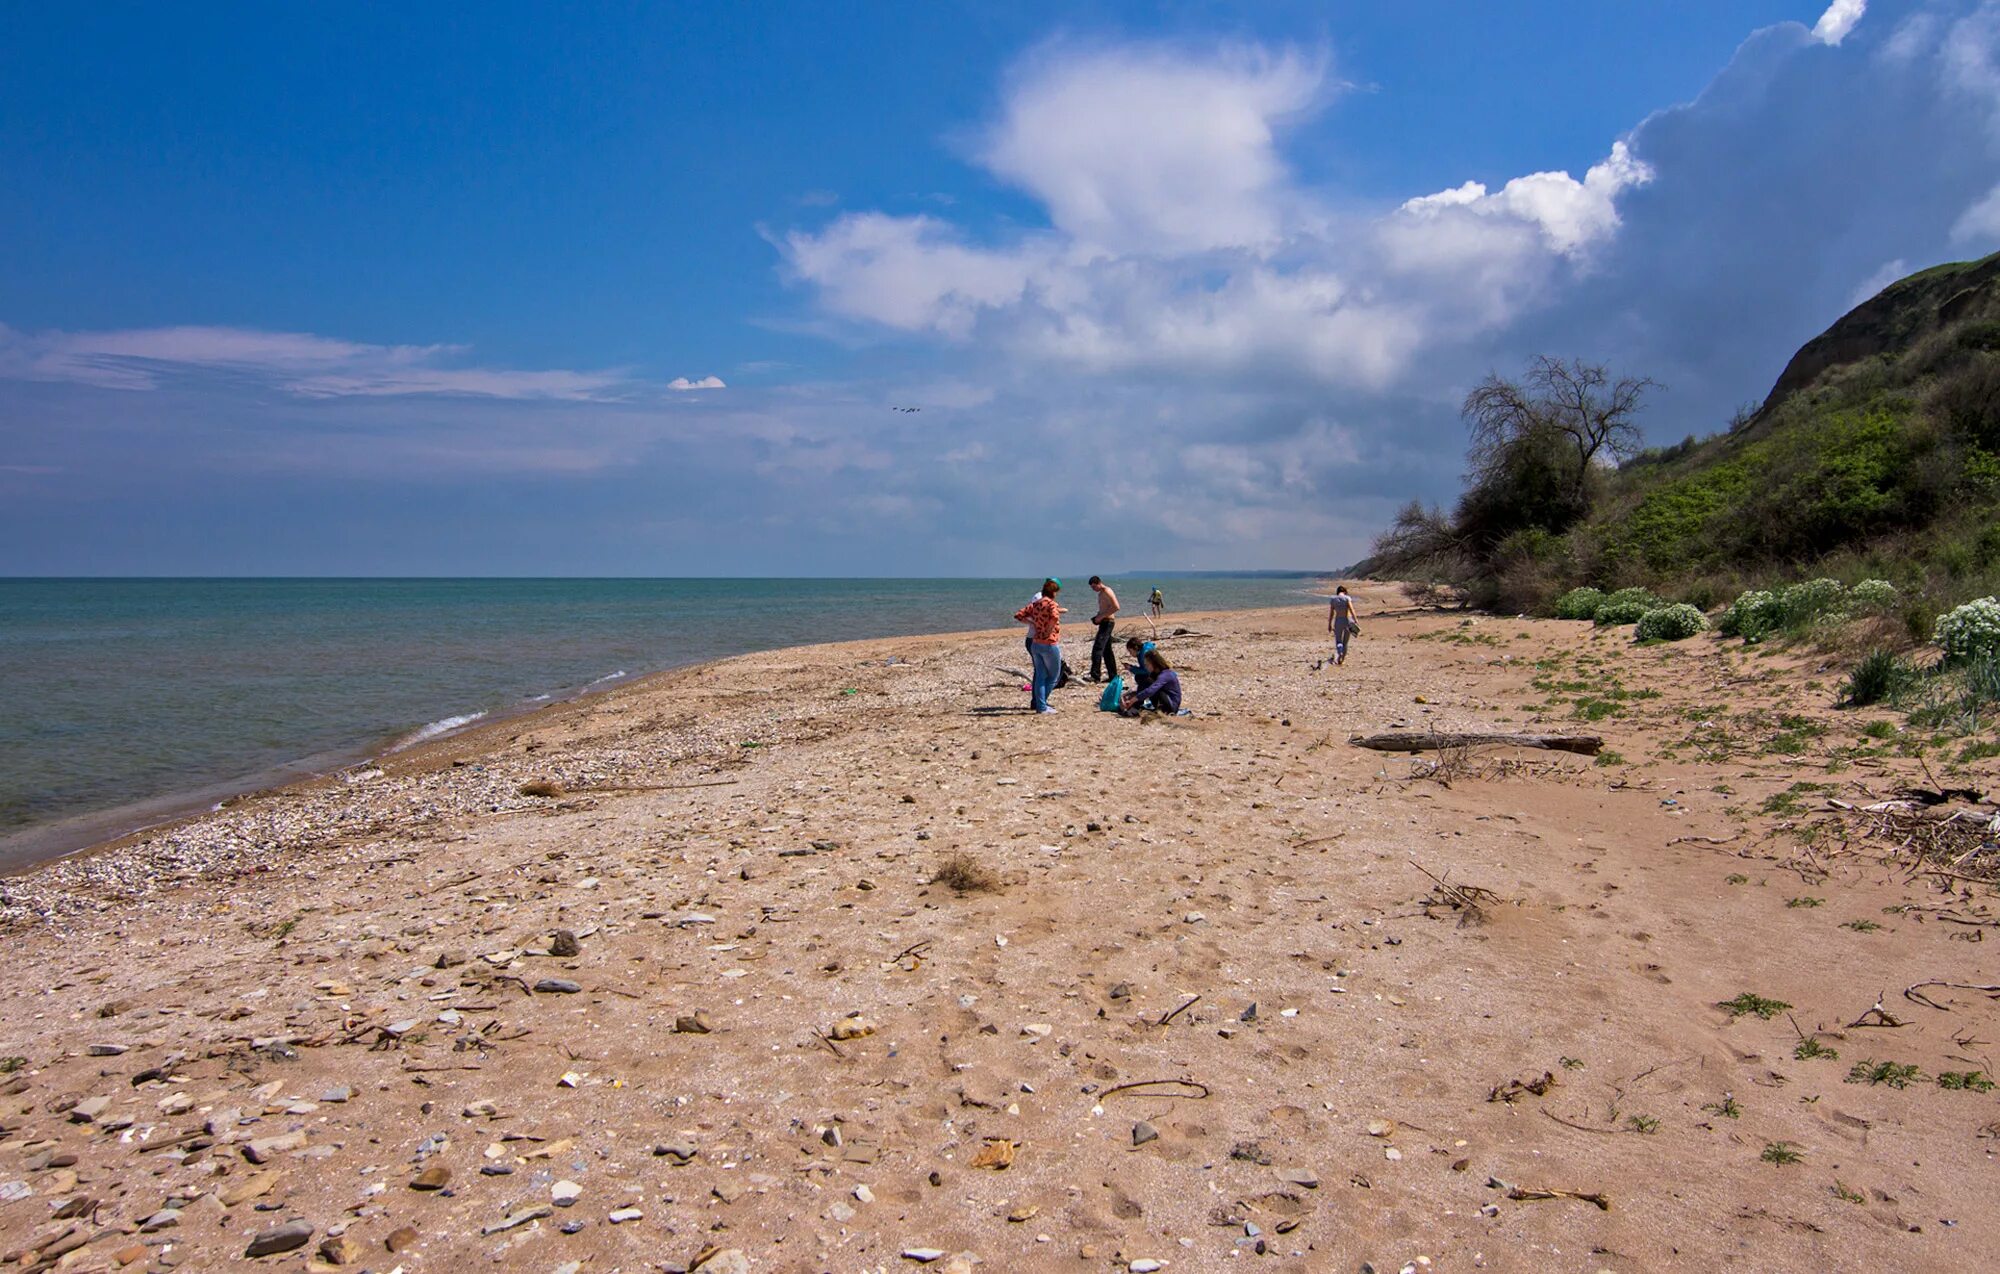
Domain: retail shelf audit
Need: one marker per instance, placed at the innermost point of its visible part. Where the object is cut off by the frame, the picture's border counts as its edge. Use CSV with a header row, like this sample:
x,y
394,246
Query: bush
x,y
1800,604
1970,631
1751,616
1671,623
1624,607
1872,597
1880,675
1579,603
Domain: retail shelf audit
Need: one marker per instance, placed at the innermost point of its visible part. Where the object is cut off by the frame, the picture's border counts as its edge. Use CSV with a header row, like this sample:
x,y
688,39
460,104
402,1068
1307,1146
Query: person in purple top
x,y
1159,686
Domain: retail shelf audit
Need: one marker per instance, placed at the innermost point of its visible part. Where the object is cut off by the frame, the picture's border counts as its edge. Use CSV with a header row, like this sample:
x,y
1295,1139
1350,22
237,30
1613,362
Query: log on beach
x,y
1432,741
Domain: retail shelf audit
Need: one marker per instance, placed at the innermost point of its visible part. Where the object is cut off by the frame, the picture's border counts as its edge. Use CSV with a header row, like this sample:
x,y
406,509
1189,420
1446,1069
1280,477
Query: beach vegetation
x,y
1894,1074
8,1065
1727,1108
1810,1048
1781,1152
1753,1004
1676,622
1965,1081
963,874
1862,495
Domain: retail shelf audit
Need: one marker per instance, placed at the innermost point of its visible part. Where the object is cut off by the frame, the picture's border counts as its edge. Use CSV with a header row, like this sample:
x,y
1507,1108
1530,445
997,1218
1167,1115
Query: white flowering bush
x,y
1800,604
1624,607
1579,603
1750,616
1671,623
1871,597
1971,631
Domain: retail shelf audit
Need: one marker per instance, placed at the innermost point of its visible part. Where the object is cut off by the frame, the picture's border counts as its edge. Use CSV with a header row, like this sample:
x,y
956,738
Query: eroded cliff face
x,y
1894,319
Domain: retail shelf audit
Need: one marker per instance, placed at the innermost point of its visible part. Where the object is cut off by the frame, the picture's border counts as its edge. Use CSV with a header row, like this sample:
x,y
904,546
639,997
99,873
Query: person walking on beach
x,y
1340,622
1044,620
1103,659
1157,603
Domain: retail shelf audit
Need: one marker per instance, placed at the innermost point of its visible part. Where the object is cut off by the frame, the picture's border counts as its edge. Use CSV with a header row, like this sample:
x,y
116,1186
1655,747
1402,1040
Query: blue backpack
x,y
1114,694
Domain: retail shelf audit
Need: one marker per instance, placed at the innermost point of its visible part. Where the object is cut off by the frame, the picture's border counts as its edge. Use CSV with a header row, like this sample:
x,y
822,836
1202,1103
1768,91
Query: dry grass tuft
x,y
541,787
962,873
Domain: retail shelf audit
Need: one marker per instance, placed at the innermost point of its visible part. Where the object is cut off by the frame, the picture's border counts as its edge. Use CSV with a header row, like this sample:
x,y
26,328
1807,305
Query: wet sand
x,y
353,980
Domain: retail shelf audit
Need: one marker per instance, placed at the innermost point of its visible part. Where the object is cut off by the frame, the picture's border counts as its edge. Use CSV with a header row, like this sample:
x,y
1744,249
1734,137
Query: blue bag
x,y
1114,694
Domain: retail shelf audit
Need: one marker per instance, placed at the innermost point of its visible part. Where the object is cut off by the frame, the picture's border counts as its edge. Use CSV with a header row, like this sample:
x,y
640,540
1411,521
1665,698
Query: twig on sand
x,y
1579,1127
1174,1013
1531,1193
1881,1016
1157,1083
1915,993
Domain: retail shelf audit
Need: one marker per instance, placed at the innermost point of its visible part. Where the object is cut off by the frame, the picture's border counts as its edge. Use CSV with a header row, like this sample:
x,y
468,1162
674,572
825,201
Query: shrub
x,y
1969,631
1872,597
1800,604
1579,603
1880,675
1751,616
1624,607
1671,623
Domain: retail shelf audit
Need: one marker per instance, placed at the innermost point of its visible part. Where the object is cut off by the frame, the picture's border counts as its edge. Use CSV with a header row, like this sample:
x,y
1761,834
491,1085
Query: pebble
x,y
518,1219
400,1238
88,1109
1147,1265
564,1193
923,1255
341,1250
864,1194
557,986
622,1215
288,1237
695,1023
563,944
336,1096
728,1261
1039,1030
681,1152
1143,1132
435,1177
108,1050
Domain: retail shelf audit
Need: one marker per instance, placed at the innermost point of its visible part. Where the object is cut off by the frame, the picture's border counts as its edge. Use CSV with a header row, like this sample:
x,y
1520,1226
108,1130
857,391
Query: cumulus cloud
x,y
1838,20
1179,241
682,383
1151,151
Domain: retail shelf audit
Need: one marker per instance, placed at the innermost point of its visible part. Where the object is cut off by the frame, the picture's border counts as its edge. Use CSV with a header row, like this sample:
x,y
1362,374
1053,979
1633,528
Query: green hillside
x,y
1877,453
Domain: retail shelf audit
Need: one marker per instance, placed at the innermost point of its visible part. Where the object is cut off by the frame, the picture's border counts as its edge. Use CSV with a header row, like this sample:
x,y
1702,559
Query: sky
x,y
940,288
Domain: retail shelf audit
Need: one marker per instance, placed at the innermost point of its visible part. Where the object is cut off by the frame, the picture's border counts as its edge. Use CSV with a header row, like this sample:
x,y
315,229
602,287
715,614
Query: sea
x,y
128,701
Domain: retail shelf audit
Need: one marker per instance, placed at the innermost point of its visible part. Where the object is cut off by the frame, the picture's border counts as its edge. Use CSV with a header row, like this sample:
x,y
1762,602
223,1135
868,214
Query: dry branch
x,y
1432,741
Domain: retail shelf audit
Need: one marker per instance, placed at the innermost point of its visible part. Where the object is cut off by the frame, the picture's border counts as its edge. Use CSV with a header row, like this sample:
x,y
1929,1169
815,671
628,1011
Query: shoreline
x,y
170,813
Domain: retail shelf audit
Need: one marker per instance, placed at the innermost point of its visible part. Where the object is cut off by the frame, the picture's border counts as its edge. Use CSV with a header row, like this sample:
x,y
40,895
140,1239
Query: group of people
x,y
1155,684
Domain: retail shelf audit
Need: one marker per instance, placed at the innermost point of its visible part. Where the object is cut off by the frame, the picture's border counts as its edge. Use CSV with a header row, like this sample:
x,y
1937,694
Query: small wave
x,y
436,728
609,676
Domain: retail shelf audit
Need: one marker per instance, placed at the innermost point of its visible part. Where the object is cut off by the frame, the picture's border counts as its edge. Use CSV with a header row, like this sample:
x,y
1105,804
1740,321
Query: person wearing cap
x,y
1044,620
1102,657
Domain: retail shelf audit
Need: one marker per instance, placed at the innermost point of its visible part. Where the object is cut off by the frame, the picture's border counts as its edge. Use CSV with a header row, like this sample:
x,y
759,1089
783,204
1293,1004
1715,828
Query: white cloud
x,y
298,362
706,382
1887,273
1838,20
1571,215
1179,242
1147,151
1979,223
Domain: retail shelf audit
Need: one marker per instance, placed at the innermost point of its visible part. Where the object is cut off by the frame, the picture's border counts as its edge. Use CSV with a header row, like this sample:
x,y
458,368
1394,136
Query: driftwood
x,y
1431,741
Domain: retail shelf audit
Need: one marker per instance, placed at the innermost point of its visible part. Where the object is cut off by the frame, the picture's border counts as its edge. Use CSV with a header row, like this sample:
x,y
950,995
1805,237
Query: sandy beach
x,y
665,979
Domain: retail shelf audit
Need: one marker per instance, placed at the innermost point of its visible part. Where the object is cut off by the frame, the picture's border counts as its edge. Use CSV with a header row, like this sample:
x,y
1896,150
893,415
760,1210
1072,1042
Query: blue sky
x,y
634,289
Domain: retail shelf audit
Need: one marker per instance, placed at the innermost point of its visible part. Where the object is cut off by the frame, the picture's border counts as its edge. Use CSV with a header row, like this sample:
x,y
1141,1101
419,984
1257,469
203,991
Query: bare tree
x,y
1572,401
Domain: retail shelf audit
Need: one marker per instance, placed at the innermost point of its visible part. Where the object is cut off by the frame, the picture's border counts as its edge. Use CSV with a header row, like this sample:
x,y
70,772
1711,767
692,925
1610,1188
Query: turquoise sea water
x,y
120,698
